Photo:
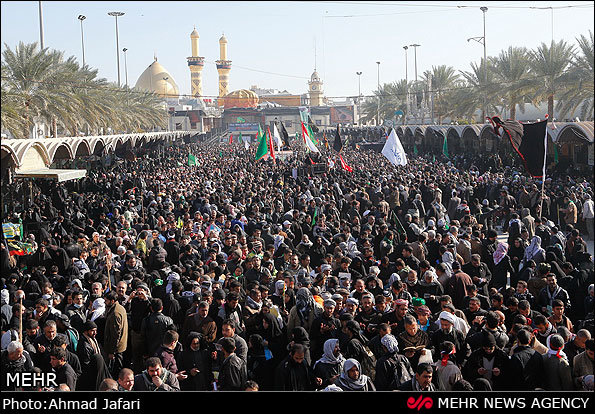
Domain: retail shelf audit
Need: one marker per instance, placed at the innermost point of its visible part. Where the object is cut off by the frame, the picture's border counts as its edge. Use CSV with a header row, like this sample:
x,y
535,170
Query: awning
x,y
53,174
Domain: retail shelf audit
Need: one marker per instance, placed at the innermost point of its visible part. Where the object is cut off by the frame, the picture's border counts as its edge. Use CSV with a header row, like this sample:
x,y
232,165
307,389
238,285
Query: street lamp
x,y
125,66
116,15
359,85
482,40
359,91
415,46
81,18
165,78
378,109
40,25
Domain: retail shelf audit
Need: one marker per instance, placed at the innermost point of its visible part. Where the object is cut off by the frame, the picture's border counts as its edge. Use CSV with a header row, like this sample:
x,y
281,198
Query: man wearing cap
x,y
324,327
449,333
488,362
89,352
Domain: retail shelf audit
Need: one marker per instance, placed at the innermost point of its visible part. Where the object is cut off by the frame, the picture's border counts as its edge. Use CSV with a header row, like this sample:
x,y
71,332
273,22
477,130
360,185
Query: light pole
x,y
482,40
378,109
125,66
81,18
116,15
359,93
406,88
415,46
165,78
40,25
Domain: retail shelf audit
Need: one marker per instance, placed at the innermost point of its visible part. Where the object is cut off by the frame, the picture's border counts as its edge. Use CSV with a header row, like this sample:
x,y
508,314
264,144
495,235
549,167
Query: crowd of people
x,y
241,275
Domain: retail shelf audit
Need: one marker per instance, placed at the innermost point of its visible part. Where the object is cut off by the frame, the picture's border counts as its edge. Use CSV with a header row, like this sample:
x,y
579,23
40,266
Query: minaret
x,y
195,63
223,67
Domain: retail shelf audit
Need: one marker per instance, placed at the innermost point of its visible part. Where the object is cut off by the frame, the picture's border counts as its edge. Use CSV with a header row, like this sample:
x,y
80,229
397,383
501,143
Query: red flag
x,y
271,146
344,165
230,139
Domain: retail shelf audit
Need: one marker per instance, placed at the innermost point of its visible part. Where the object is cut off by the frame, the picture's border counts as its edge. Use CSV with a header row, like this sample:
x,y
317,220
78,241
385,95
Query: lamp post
x,y
378,109
359,92
116,15
81,18
40,25
406,88
415,46
482,40
125,66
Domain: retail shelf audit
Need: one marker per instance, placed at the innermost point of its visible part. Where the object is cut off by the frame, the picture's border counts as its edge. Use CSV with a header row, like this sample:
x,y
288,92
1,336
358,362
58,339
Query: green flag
x,y
240,139
415,148
433,157
221,154
555,153
314,215
445,148
191,160
263,147
399,227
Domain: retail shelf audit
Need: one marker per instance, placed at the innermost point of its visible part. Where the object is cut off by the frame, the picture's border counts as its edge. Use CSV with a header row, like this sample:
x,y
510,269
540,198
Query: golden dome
x,y
242,98
194,33
157,79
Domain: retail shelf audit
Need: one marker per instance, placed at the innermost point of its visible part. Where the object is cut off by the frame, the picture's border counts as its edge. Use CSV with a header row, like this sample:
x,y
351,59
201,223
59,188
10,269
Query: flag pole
x,y
22,310
543,174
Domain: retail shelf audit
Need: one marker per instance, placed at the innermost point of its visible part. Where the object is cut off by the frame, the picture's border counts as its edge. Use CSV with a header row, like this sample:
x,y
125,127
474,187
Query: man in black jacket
x,y
154,327
449,333
294,374
64,372
233,373
479,272
526,365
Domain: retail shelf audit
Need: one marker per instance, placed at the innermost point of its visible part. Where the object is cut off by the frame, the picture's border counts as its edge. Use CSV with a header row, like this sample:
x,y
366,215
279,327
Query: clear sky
x,y
281,37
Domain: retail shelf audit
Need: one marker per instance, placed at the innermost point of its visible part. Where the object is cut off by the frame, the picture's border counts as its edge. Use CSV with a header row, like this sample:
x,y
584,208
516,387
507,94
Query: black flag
x,y
337,145
284,134
528,140
312,125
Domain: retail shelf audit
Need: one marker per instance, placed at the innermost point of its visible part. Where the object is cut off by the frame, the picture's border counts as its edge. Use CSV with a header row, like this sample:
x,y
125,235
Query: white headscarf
x,y
353,385
98,308
172,276
533,249
329,357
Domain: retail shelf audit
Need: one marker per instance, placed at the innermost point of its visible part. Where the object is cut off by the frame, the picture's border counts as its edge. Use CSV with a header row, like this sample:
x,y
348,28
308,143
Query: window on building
x,y
318,122
288,123
178,126
192,125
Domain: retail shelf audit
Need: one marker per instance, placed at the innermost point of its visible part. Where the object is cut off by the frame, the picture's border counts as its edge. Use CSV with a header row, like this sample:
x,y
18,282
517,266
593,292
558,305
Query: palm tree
x,y
40,84
479,90
511,70
579,82
442,78
548,65
388,99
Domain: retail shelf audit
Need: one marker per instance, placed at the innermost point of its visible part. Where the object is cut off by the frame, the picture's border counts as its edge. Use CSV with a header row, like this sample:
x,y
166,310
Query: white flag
x,y
277,137
393,150
246,145
307,140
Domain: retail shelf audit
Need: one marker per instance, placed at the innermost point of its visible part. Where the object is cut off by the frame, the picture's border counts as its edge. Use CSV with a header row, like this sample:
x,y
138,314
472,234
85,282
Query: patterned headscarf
x,y
500,252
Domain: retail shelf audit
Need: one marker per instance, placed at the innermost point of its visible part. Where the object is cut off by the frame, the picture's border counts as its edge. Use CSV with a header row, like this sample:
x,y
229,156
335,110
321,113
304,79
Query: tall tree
x,y
578,81
442,78
548,64
511,70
